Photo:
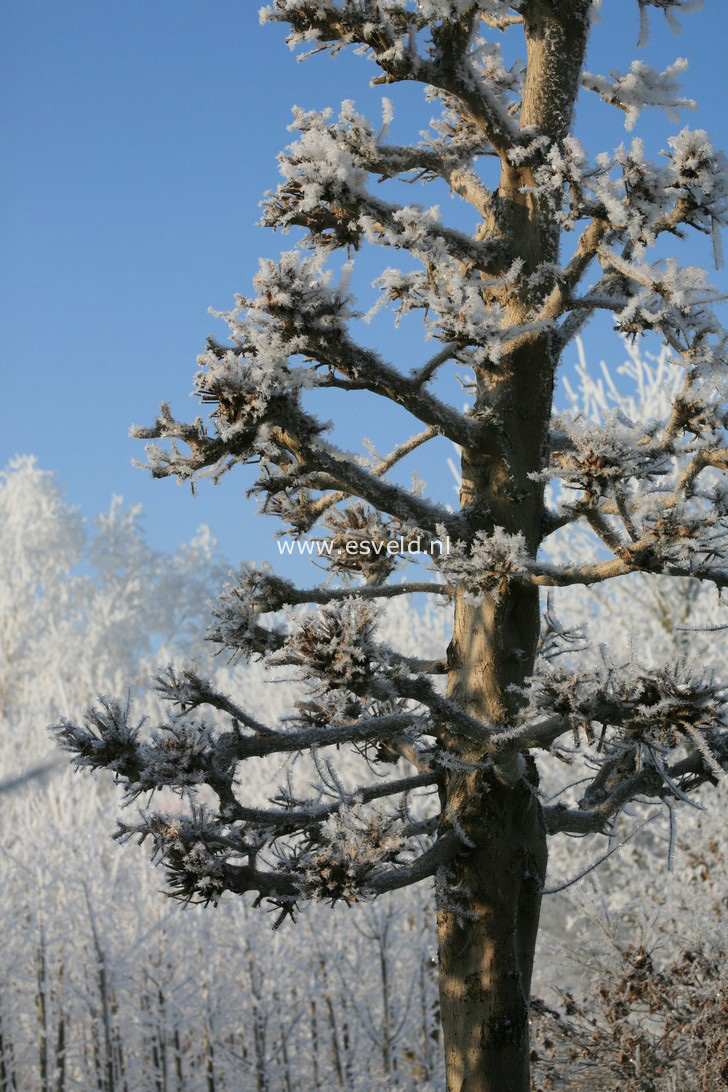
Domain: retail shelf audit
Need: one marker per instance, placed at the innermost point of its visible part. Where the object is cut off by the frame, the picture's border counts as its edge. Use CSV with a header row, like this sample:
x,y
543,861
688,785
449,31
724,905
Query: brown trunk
x,y
488,918
487,938
487,945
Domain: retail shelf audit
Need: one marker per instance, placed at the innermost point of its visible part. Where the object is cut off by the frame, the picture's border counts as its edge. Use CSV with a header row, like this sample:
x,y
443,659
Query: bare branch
x,y
312,813
646,782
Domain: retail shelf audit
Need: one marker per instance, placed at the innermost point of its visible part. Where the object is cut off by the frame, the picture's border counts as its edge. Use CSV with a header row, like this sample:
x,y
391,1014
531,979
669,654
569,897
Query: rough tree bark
x,y
487,951
486,956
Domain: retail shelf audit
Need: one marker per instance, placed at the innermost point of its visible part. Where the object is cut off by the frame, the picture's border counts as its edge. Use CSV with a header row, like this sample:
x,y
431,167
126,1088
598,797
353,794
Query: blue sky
x,y
139,139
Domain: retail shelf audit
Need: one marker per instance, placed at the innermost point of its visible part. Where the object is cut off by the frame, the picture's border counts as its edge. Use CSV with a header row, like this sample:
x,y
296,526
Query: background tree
x,y
447,784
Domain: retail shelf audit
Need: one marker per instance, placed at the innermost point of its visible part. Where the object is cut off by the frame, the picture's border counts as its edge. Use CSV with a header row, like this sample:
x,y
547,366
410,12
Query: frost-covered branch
x,y
389,37
642,86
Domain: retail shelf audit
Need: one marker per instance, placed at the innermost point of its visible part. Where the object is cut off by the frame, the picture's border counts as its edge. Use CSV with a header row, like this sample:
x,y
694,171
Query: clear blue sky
x,y
139,137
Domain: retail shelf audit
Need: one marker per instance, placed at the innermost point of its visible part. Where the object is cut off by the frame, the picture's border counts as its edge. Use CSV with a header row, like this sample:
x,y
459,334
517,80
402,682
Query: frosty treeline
x,y
409,779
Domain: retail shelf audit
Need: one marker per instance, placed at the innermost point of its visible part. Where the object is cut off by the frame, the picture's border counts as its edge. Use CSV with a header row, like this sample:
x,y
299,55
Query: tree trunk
x,y
487,942
488,918
489,911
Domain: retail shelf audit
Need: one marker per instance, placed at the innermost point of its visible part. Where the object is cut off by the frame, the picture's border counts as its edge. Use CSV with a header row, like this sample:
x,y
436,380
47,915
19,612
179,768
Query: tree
x,y
411,782
84,612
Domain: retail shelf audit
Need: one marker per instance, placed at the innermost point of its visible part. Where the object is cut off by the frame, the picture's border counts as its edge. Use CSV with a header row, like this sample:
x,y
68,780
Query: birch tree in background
x,y
410,780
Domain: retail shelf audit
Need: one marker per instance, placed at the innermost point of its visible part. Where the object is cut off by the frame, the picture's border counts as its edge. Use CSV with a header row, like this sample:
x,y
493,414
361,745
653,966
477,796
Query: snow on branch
x,y
637,726
595,458
391,35
486,565
675,302
323,849
324,190
642,86
670,9
628,198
